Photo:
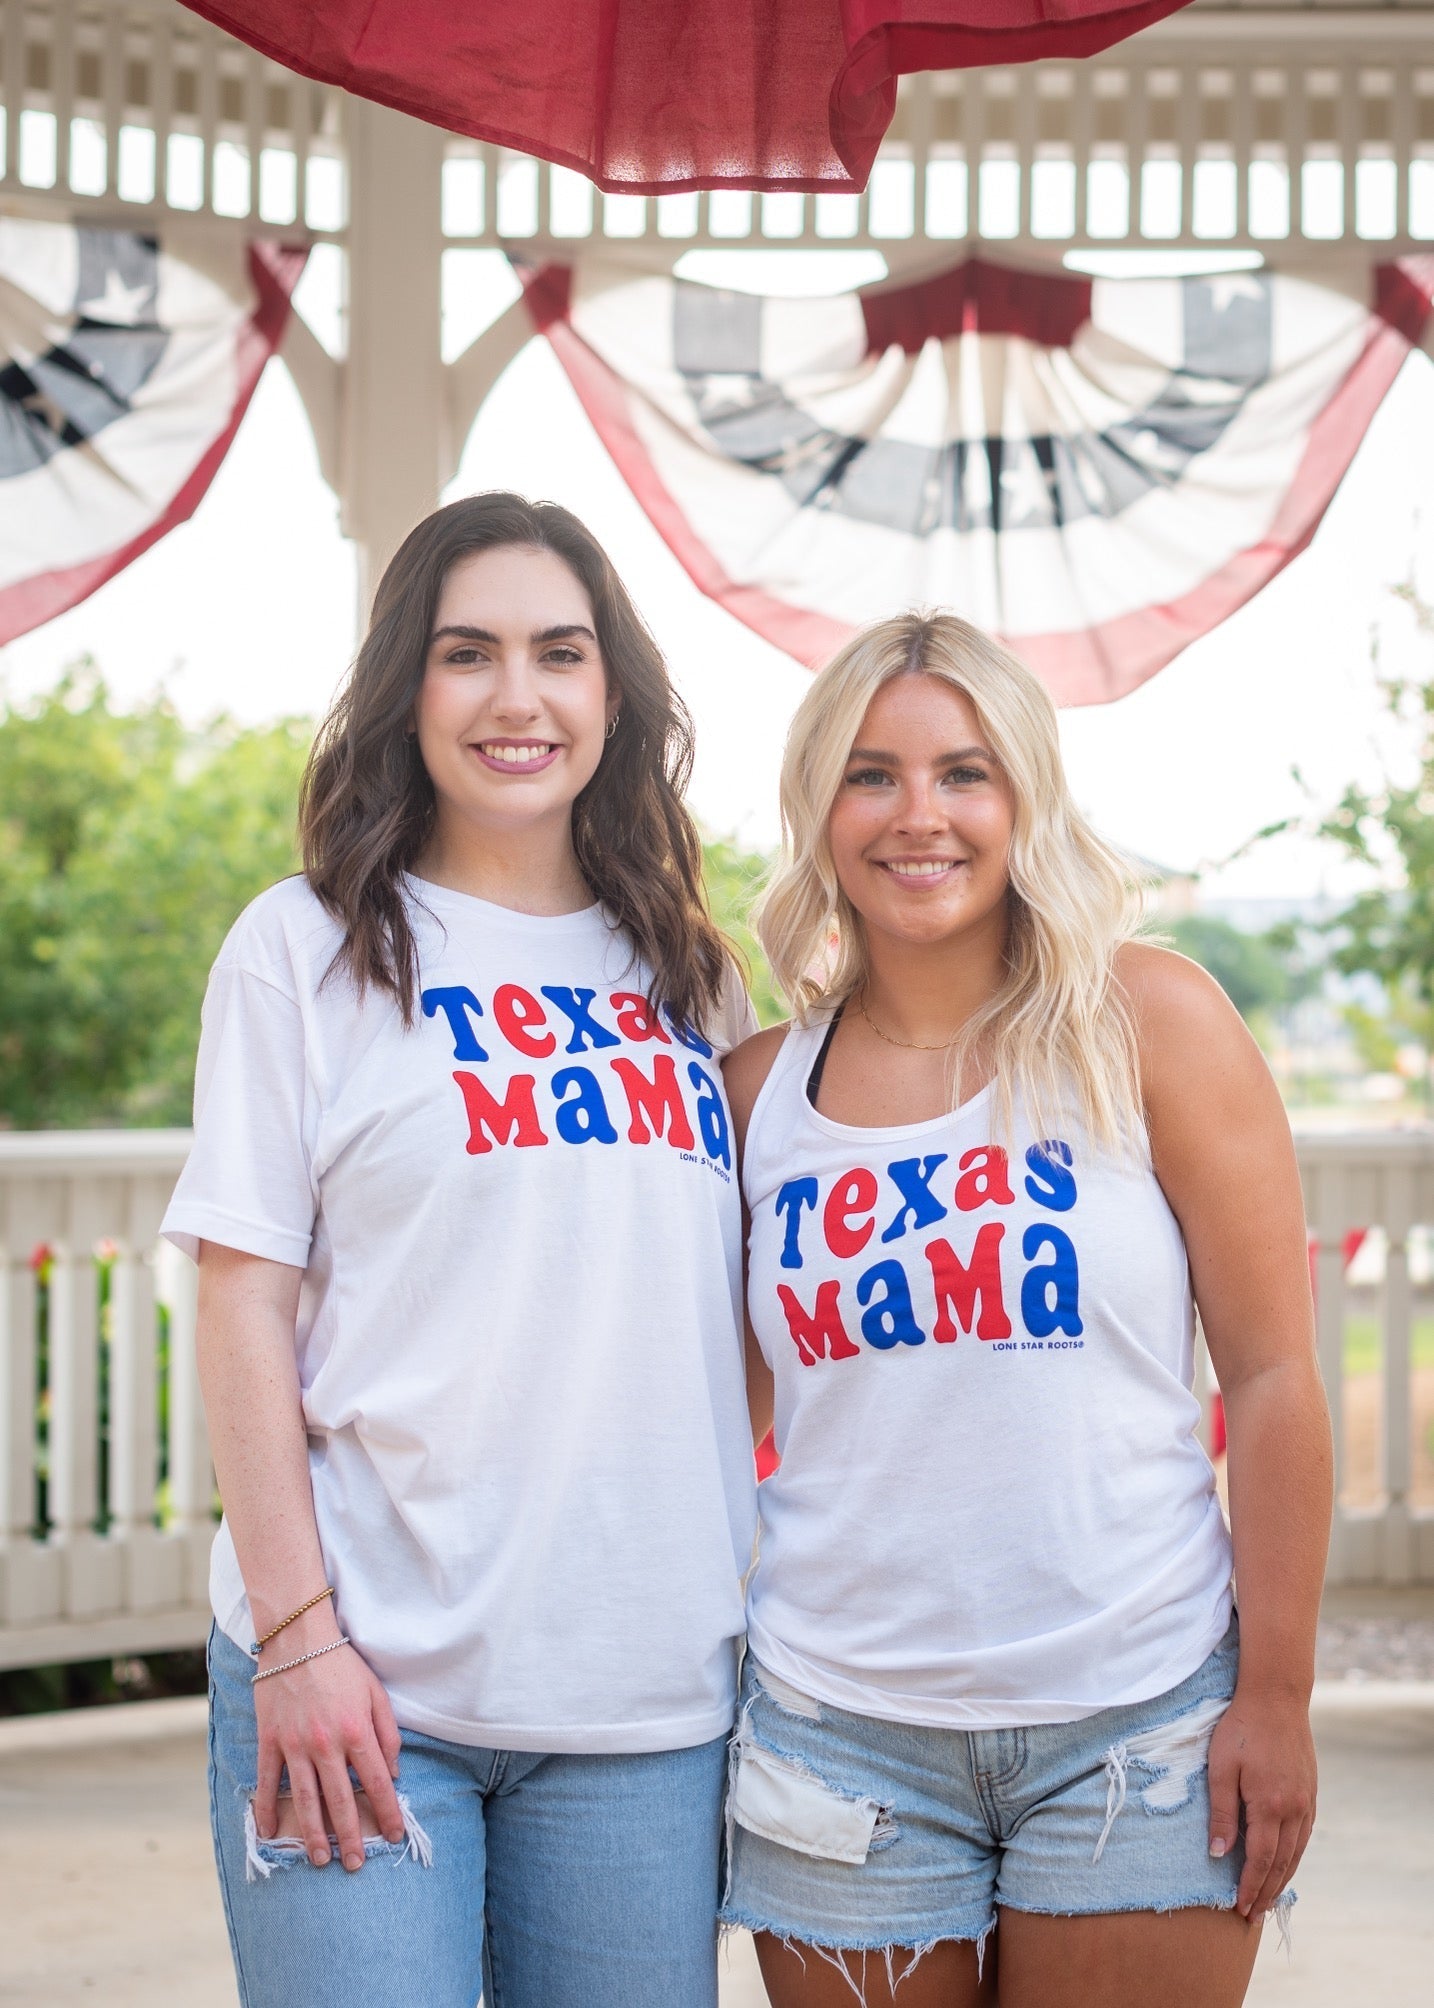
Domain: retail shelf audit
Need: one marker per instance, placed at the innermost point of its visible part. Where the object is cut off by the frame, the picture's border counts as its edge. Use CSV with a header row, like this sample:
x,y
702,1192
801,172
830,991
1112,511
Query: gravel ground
x,y
1375,1648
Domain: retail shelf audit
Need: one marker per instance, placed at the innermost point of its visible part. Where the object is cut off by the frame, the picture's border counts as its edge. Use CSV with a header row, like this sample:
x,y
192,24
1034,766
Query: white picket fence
x,y
101,1428
107,1498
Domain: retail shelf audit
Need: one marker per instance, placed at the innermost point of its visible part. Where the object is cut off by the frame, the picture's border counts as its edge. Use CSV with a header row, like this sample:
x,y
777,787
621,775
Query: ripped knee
x,y
287,1847
288,1828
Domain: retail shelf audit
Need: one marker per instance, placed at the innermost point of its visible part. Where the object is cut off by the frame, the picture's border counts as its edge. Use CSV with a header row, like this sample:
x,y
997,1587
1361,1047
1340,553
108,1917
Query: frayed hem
x,y
835,1953
255,1865
415,1837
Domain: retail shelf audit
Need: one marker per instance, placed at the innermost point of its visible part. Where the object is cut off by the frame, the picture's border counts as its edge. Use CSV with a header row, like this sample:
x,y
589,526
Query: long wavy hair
x,y
1058,1026
367,807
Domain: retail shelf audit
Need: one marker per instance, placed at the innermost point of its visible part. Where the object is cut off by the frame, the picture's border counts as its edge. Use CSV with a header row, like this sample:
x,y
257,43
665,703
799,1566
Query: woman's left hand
x,y
1262,1756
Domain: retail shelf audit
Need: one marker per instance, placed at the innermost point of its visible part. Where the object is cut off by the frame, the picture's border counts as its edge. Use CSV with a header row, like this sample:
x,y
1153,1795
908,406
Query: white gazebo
x,y
1303,132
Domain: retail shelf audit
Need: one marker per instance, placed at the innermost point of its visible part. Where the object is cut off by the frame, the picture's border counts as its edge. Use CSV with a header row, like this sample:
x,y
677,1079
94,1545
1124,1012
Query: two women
x,y
465,1196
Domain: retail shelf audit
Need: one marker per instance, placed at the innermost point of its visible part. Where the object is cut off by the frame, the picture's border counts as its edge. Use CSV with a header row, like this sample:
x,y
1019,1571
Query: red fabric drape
x,y
650,95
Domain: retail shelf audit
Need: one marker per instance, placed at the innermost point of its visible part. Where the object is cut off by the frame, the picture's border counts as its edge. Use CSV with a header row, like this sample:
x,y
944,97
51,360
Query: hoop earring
x,y
612,725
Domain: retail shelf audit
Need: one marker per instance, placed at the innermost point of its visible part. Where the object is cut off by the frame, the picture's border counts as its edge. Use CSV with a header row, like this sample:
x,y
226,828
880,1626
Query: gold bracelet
x,y
257,1645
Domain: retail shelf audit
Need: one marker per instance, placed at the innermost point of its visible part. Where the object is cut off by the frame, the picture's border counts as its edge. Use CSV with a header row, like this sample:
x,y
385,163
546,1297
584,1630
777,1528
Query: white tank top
x,y
992,1507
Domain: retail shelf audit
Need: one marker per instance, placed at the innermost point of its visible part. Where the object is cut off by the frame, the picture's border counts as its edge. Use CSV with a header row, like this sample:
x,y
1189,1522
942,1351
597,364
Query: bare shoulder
x,y
746,1067
1156,980
1178,1007
1198,1058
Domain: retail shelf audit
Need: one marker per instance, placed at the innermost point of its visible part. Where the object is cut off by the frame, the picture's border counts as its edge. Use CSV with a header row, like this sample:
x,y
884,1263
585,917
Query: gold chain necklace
x,y
906,1045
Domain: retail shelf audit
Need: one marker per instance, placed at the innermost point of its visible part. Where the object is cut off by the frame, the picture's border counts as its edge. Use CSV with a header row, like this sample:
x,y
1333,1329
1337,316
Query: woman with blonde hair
x,y
994,1164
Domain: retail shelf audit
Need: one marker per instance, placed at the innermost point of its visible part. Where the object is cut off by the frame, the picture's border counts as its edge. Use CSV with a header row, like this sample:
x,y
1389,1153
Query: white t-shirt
x,y
992,1508
518,1337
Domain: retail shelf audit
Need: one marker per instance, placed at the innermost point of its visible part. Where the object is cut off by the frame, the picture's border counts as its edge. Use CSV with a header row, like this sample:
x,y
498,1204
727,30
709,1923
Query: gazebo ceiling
x,y
1302,133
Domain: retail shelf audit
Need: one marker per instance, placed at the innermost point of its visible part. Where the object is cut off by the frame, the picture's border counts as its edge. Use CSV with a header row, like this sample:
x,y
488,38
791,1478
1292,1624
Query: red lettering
x,y
984,1180
518,1011
636,1019
515,1116
850,1196
959,1285
819,1333
659,1100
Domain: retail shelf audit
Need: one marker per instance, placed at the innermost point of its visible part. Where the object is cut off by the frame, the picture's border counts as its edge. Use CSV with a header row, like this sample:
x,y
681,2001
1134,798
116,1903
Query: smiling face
x,y
514,701
920,831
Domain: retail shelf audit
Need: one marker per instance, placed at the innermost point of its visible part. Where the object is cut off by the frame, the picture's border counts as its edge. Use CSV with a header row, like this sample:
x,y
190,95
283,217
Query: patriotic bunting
x,y
1099,471
652,95
124,374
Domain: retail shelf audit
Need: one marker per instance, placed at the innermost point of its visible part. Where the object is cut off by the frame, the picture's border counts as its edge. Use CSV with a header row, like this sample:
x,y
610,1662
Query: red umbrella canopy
x,y
645,96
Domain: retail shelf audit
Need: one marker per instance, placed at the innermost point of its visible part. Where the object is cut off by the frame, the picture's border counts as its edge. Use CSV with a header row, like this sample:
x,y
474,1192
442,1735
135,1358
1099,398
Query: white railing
x,y
106,1491
1255,127
1384,1418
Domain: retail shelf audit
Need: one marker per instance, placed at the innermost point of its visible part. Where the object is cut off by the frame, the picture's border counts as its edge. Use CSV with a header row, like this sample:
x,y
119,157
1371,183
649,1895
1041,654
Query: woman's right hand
x,y
329,1714
320,1720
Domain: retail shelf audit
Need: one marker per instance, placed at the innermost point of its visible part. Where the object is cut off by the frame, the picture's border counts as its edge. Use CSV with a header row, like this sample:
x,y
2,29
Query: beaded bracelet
x,y
285,1665
256,1646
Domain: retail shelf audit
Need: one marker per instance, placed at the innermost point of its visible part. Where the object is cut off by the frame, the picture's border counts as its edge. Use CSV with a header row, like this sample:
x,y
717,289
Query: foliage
x,y
1373,1037
128,843
1259,973
33,1690
734,878
1387,931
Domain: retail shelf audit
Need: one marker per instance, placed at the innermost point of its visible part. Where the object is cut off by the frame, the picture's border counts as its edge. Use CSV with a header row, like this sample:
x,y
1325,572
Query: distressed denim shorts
x,y
849,1832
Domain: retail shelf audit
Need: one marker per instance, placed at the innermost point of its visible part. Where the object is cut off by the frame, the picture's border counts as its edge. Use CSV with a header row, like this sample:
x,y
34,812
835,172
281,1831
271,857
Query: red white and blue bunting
x,y
1100,470
124,373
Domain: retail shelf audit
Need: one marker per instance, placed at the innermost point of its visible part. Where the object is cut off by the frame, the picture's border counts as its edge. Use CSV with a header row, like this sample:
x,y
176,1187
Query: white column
x,y
392,437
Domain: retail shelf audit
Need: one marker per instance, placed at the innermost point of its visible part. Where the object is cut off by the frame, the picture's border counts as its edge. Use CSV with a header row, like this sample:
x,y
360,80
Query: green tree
x,y
734,878
1259,973
128,843
1387,931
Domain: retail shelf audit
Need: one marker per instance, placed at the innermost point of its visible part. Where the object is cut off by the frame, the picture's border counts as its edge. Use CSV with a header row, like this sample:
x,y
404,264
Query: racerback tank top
x,y
992,1507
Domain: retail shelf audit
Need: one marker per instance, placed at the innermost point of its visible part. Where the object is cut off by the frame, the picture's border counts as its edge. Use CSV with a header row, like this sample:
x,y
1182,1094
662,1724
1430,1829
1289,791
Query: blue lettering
x,y
581,1117
711,1114
687,1036
1049,1183
1040,1316
913,1176
890,1320
455,1004
588,1035
794,1195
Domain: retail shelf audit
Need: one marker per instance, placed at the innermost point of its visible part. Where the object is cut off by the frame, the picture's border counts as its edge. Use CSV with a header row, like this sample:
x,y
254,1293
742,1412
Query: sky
x,y
250,608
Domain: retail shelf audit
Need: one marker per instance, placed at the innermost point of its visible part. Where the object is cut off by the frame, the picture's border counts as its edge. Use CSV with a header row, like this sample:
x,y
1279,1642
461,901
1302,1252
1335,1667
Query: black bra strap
x,y
814,1078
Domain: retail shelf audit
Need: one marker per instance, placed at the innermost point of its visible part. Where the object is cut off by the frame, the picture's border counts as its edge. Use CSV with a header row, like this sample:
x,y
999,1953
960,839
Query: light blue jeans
x,y
544,1881
857,1834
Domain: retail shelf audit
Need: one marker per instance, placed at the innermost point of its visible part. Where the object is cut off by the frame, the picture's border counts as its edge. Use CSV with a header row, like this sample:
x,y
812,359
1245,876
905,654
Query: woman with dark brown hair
x,y
463,1203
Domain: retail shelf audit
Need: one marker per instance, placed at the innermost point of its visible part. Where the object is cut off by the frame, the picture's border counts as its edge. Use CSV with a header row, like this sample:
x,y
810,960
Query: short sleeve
x,y
248,1182
736,1020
